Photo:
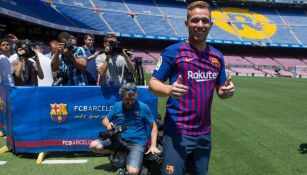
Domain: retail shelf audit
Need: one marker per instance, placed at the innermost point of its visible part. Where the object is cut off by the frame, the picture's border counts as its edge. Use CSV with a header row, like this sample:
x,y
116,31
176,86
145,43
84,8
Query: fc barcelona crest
x,y
215,62
58,113
169,169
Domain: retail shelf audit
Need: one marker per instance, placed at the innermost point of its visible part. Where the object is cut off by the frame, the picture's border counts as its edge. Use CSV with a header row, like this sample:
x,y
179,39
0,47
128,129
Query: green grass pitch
x,y
257,132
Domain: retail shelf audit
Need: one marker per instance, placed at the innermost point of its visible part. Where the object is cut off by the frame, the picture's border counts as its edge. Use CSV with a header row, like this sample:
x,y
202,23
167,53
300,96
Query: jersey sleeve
x,y
80,53
221,79
165,65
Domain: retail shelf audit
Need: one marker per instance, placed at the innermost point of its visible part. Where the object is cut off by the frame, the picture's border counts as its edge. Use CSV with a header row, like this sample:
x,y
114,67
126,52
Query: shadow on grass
x,y
60,155
303,148
106,167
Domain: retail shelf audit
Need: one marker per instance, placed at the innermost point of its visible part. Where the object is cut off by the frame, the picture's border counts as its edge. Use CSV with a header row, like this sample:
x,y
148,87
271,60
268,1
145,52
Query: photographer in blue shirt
x,y
136,116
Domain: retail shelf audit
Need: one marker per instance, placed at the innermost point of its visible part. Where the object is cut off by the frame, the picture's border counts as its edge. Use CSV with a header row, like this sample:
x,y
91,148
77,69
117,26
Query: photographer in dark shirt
x,y
71,70
27,67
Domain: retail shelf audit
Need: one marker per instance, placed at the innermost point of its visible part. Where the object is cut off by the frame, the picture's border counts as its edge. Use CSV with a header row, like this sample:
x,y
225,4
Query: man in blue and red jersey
x,y
194,70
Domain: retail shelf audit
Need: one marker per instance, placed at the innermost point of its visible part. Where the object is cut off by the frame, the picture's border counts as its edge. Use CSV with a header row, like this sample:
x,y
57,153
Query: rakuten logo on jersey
x,y
202,76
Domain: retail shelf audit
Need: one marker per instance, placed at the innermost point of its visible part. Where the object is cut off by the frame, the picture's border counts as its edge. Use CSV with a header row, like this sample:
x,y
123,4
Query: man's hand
x,y
124,53
13,38
227,90
107,50
60,48
110,126
177,89
153,150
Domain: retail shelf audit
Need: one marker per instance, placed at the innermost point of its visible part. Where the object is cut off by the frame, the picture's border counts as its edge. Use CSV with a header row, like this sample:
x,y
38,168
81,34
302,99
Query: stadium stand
x,y
289,63
255,25
260,62
236,61
120,26
166,18
247,72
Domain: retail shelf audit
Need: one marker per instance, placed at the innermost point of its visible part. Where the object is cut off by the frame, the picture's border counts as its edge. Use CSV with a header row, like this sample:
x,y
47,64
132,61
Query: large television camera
x,y
113,133
139,78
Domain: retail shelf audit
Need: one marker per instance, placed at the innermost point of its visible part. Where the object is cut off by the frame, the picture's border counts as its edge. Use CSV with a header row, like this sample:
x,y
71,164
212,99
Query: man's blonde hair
x,y
198,4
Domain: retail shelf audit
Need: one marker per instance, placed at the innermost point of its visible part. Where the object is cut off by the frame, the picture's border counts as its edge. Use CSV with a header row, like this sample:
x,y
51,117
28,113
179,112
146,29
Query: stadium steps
x,y
106,22
100,15
264,33
66,18
166,18
135,19
284,21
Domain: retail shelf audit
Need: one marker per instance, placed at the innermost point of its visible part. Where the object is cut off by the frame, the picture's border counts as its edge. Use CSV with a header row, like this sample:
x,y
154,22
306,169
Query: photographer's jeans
x,y
135,155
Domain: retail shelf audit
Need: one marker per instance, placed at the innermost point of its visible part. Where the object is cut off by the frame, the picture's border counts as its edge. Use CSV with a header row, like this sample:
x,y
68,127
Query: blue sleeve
x,y
80,53
165,65
221,79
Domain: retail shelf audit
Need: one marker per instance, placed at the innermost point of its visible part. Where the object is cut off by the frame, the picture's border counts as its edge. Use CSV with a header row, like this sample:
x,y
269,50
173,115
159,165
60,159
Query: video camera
x,y
114,132
69,47
116,47
28,46
139,70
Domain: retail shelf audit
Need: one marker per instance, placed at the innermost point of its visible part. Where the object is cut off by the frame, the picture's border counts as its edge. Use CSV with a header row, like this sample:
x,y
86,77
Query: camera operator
x,y
136,116
27,67
111,64
71,69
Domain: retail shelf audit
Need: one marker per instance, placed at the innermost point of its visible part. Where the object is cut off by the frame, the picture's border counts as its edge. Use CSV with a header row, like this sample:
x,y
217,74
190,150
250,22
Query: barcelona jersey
x,y
201,71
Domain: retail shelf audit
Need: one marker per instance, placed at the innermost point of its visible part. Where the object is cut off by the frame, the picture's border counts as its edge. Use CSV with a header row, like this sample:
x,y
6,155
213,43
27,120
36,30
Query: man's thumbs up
x,y
179,79
177,89
229,78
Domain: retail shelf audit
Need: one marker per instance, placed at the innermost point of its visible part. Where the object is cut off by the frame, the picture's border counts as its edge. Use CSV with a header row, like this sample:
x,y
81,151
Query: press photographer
x,y
27,67
67,66
137,116
112,62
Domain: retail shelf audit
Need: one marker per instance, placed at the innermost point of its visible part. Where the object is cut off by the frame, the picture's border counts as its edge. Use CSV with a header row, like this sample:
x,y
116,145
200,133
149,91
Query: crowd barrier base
x,y
4,149
41,157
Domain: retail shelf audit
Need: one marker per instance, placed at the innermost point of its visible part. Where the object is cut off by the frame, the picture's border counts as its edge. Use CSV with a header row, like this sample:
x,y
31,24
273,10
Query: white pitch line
x,y
2,162
63,161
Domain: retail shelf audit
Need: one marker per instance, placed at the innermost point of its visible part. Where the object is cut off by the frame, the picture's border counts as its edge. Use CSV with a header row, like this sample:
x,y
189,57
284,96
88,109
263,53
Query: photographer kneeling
x,y
136,116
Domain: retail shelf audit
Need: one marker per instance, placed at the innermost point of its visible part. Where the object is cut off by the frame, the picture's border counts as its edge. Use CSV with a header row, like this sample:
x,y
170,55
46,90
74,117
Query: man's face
x,y
5,47
89,42
199,24
128,100
107,41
